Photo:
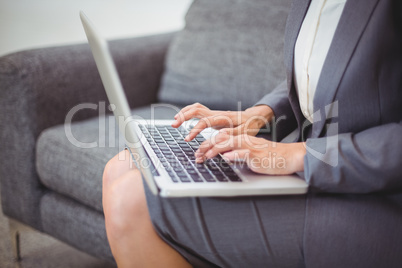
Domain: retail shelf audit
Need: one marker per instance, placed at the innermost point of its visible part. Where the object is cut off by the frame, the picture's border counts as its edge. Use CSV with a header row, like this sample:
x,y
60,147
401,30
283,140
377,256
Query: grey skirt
x,y
261,231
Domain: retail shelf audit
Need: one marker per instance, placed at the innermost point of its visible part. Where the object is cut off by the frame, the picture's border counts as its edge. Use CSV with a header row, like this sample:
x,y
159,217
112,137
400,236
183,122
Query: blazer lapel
x,y
294,23
351,25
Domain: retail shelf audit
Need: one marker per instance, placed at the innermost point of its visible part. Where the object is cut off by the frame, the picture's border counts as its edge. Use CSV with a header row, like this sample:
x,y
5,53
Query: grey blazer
x,y
354,205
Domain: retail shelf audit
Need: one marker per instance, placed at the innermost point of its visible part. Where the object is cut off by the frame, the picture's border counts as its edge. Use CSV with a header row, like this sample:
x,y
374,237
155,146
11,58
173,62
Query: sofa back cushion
x,y
230,51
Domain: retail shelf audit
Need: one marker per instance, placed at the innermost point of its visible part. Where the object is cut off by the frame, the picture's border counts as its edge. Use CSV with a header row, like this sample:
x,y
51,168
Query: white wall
x,y
28,24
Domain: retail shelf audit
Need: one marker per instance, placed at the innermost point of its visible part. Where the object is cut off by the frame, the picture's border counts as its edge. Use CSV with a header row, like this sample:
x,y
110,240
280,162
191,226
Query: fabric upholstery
x,y
77,172
230,50
76,224
39,87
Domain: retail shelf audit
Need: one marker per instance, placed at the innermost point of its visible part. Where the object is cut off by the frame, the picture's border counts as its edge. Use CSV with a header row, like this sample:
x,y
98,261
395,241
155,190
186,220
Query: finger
x,y
233,131
188,107
231,143
199,112
222,119
200,126
252,127
237,155
193,106
214,121
180,114
208,144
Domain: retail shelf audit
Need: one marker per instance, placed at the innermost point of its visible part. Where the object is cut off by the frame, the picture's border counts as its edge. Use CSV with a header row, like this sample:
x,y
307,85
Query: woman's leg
x,y
132,238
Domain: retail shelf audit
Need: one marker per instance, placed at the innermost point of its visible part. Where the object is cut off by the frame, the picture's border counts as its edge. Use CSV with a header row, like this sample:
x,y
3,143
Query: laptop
x,y
166,161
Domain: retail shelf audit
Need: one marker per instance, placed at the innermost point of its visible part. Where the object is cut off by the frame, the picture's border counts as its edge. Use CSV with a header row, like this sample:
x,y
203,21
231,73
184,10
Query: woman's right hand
x,y
247,122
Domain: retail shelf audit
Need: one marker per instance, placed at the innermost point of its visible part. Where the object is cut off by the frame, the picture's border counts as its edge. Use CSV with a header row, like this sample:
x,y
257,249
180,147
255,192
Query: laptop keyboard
x,y
177,156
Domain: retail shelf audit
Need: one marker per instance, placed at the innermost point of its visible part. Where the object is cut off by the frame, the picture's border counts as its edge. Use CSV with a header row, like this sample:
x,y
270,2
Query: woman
x,y
344,68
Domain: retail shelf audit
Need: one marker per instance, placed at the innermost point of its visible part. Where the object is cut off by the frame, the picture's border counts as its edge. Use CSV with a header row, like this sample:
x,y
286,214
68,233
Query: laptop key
x,y
154,147
202,170
226,168
181,154
183,177
186,165
189,154
234,178
196,178
192,171
221,178
200,139
212,167
165,164
199,165
173,176
208,177
216,172
178,169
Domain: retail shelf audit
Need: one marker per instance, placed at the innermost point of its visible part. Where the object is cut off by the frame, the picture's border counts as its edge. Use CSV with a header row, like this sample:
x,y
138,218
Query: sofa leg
x,y
14,227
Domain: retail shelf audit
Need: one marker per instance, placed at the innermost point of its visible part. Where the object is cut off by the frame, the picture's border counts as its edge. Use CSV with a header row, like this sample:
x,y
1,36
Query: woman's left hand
x,y
261,155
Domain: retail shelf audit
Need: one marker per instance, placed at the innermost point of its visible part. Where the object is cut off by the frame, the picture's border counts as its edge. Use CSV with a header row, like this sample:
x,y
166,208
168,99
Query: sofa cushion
x,y
229,51
76,224
64,166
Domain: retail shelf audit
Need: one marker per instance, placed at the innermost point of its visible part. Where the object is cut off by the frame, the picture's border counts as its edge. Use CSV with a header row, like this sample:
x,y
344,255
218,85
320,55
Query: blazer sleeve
x,y
365,162
278,100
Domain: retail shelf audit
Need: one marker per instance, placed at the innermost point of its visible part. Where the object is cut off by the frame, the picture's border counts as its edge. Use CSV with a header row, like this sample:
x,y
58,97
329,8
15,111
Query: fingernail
x,y
199,160
187,138
175,117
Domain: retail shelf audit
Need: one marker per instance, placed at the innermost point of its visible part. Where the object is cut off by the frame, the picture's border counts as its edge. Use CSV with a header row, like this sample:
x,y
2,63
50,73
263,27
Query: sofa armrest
x,y
37,90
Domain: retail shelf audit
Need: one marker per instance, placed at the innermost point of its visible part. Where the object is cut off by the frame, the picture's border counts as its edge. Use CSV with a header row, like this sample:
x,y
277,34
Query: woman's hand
x,y
261,155
249,121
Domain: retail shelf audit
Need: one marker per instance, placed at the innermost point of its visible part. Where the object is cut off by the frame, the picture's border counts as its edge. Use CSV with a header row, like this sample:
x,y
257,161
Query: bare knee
x,y
116,167
125,205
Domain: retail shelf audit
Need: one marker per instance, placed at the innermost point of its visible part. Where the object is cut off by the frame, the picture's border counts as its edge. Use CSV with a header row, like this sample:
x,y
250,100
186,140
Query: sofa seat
x,y
227,57
76,172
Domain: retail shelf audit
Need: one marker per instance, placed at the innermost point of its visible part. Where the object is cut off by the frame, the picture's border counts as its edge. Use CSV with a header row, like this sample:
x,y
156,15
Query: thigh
x,y
232,232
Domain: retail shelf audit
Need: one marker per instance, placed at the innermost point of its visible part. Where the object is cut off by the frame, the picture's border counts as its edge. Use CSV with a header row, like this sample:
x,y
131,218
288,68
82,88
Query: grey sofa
x,y
229,53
